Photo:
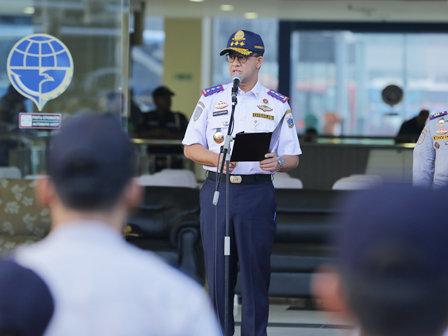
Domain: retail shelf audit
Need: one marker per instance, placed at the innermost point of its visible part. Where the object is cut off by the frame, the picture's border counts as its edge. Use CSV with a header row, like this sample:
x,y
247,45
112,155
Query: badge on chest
x,y
218,136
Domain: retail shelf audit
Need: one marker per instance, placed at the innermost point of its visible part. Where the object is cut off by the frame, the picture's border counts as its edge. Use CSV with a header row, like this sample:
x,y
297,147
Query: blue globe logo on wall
x,y
40,67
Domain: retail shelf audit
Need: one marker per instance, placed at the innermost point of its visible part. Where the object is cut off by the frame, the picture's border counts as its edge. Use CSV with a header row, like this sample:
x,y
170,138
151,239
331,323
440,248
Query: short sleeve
x,y
289,141
197,127
423,161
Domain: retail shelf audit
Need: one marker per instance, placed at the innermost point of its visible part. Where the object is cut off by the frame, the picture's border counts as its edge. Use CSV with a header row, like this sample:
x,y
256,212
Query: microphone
x,y
237,78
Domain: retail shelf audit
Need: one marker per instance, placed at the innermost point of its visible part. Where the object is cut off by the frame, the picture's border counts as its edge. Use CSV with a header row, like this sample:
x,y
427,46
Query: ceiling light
x,y
226,8
250,15
196,0
29,10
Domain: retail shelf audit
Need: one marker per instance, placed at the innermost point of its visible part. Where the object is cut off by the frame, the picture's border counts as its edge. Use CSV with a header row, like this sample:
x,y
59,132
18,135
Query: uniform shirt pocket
x,y
217,130
261,124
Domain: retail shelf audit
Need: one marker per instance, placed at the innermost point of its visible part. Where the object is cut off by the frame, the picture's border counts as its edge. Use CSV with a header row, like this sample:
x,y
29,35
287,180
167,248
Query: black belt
x,y
242,178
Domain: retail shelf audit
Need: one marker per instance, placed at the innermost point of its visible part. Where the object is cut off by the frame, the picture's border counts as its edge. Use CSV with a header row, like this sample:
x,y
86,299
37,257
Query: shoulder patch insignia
x,y
197,112
278,96
290,121
439,114
421,138
212,90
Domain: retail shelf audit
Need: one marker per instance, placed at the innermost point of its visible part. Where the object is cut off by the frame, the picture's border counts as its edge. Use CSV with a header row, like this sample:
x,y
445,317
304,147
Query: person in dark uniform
x,y
11,105
252,195
162,123
410,130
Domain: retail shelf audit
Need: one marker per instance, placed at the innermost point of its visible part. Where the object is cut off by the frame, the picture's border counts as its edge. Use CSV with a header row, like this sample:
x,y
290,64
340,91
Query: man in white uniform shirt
x,y
252,195
102,285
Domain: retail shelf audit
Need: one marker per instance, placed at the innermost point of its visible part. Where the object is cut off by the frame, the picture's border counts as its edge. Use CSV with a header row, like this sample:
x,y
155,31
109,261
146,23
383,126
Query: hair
x,y
92,172
84,191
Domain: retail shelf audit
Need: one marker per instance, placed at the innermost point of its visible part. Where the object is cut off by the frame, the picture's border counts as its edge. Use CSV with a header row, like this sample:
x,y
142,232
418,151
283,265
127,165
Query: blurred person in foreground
x,y
391,273
26,304
101,284
411,129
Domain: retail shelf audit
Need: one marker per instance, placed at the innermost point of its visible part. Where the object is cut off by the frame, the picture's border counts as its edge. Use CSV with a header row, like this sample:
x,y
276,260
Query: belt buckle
x,y
236,179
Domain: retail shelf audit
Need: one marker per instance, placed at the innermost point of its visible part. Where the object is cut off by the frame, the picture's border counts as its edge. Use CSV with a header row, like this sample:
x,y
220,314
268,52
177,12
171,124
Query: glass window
x,y
147,63
338,77
266,28
82,67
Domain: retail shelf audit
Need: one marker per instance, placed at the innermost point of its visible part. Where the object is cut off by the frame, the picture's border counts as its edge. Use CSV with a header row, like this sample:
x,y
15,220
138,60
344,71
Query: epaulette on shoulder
x,y
278,96
439,114
212,90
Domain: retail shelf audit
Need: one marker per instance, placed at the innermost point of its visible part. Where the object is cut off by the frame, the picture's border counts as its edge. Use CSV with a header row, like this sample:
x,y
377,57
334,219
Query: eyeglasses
x,y
231,58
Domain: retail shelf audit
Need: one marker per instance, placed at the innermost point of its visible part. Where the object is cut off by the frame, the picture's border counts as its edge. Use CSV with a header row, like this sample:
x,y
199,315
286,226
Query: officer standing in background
x,y
411,129
252,195
430,165
162,123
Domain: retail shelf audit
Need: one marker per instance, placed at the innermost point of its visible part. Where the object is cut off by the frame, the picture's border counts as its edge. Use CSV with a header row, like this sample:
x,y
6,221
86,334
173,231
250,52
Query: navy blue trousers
x,y
252,228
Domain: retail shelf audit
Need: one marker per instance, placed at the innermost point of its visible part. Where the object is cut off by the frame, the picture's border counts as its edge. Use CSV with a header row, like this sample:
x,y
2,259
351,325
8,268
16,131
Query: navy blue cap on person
x,y
26,304
244,42
392,254
90,161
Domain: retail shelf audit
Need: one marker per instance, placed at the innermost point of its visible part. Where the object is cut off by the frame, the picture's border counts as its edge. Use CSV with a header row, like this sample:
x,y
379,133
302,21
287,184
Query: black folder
x,y
250,146
254,146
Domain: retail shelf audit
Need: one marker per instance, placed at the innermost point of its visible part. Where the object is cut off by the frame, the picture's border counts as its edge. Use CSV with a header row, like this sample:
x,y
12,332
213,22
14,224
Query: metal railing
x,y
147,162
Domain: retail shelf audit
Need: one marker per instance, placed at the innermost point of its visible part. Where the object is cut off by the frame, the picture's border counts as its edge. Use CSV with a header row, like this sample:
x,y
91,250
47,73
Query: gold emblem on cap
x,y
239,35
218,136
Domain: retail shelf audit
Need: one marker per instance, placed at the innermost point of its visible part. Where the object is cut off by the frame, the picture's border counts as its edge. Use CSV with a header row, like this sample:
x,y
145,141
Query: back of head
x,y
90,161
26,304
392,256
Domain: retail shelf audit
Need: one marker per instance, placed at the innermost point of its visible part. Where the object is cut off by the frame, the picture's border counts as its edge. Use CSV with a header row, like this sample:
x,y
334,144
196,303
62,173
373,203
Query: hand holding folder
x,y
254,146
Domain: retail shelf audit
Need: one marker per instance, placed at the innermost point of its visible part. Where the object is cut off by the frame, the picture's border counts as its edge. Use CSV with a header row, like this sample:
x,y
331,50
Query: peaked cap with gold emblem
x,y
244,42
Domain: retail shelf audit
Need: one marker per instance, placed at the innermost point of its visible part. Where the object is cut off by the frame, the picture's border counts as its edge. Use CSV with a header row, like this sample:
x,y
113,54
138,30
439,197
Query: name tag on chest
x,y
220,113
262,115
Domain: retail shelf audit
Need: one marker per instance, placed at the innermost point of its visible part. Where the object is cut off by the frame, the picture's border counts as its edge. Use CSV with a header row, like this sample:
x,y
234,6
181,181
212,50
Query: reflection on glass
x,y
338,77
96,33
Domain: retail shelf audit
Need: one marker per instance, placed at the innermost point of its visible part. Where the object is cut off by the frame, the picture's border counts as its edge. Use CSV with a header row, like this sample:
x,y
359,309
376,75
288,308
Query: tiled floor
x,y
284,320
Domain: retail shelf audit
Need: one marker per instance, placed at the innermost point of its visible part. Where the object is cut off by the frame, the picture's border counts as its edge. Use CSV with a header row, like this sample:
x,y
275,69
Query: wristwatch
x,y
281,163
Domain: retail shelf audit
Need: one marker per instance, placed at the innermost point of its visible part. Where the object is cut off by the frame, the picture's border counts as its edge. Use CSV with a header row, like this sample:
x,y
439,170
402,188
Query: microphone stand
x,y
226,155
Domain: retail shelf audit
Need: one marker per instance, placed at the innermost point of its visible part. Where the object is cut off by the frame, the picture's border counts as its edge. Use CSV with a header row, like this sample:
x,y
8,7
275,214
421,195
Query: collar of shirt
x,y
256,90
86,230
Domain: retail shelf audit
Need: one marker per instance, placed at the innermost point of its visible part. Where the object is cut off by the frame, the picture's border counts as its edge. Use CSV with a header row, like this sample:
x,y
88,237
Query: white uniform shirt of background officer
x,y
248,69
